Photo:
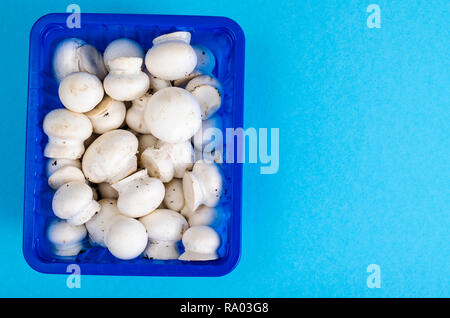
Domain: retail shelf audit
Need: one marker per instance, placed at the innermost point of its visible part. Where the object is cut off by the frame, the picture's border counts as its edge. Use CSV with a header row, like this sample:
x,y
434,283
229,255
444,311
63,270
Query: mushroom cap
x,y
55,164
174,198
158,163
63,235
122,47
98,225
65,175
203,80
173,115
206,60
170,58
164,225
65,58
200,243
208,134
65,124
126,238
209,99
139,194
107,191
71,199
135,115
182,155
203,185
126,81
109,114
111,156
80,92
204,215
183,36
91,61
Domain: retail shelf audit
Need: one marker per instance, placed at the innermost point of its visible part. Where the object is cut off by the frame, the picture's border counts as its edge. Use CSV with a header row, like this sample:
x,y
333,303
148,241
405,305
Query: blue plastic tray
x,y
225,38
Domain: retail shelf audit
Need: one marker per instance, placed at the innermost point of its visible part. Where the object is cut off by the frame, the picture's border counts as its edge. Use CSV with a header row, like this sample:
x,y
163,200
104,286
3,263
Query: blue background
x,y
364,151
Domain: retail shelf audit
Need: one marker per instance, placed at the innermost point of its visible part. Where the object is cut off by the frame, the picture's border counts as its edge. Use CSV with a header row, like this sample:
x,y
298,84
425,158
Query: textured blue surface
x,y
364,149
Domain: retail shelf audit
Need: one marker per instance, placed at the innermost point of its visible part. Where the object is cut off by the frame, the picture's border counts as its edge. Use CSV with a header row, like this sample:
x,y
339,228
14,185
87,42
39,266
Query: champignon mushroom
x,y
204,215
98,225
135,115
74,202
208,91
166,160
164,228
80,92
139,194
126,238
74,55
171,56
206,60
122,47
66,133
109,114
65,175
174,198
200,244
126,81
173,115
203,185
111,157
66,239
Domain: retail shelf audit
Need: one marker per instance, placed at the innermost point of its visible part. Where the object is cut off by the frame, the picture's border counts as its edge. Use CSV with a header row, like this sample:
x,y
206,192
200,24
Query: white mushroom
x,y
135,115
126,238
74,55
111,157
67,239
65,175
109,114
80,92
208,91
91,61
122,47
66,133
54,164
200,244
107,191
166,161
174,198
173,115
206,60
98,225
164,228
139,194
74,202
209,135
126,81
204,215
146,141
203,185
171,56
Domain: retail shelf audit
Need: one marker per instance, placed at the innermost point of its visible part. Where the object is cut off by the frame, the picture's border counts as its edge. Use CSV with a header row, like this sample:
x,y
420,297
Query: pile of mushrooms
x,y
123,152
